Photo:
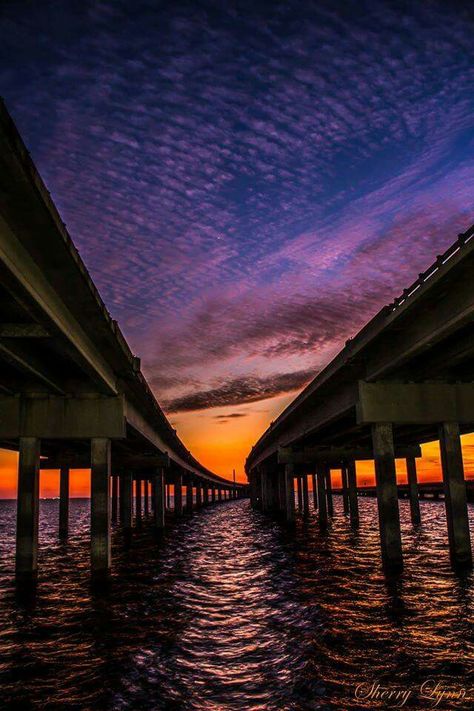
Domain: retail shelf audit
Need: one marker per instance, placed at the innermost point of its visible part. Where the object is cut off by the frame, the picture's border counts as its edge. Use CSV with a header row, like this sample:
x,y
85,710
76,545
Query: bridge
x,y
406,378
72,394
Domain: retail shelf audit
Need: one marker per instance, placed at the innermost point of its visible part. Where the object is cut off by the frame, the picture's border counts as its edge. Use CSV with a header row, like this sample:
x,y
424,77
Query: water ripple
x,y
228,610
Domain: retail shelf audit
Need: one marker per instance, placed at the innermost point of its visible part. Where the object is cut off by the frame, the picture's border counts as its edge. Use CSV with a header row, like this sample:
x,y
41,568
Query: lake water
x,y
229,610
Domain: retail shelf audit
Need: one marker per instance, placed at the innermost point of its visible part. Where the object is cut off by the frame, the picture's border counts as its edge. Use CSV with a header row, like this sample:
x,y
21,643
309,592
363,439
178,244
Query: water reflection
x,y
229,610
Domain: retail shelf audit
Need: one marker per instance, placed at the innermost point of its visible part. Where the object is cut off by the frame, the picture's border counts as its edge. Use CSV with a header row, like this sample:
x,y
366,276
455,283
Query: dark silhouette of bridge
x,y
406,378
71,391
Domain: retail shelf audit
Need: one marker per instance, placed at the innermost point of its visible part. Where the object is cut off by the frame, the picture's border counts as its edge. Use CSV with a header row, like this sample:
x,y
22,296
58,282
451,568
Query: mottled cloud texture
x,y
240,390
247,183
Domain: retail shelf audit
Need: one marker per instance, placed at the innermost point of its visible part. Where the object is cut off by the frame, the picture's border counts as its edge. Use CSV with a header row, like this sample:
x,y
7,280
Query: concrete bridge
x,y
72,394
406,378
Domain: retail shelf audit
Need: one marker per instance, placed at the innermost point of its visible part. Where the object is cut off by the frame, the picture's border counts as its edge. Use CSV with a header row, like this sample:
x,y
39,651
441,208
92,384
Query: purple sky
x,y
247,184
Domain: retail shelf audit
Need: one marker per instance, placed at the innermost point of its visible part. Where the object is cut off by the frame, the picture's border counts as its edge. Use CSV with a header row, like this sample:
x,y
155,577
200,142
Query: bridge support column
x,y
387,495
115,486
178,495
289,493
299,488
189,496
146,497
321,477
315,491
64,502
413,491
138,501
455,495
168,496
263,489
281,490
159,499
100,507
27,510
198,495
126,492
352,493
345,491
213,494
205,494
305,495
219,494
329,492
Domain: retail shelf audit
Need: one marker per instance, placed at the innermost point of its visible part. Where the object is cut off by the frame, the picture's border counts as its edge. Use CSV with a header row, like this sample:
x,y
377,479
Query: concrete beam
x,y
23,330
35,283
337,455
415,403
53,417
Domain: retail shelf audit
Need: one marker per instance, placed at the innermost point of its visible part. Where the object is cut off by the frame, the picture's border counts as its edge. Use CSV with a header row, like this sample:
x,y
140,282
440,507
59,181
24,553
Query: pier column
x,y
145,496
178,495
321,477
189,496
27,510
281,490
64,502
299,492
289,493
413,491
100,506
305,495
352,487
138,501
198,495
219,493
126,493
345,491
315,491
329,492
168,496
205,494
263,489
213,494
455,495
159,498
115,487
387,495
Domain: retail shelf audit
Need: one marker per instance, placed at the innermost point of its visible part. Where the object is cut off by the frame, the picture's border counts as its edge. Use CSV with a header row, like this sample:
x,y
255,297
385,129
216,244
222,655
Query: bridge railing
x,y
441,260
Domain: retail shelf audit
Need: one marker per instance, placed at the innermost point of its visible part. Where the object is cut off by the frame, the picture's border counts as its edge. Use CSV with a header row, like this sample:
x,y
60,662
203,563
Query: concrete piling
x,y
455,495
27,510
387,496
100,507
64,502
413,491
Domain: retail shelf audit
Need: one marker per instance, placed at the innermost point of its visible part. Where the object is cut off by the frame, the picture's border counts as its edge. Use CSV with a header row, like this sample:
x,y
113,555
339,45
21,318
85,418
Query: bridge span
x,y
72,394
406,378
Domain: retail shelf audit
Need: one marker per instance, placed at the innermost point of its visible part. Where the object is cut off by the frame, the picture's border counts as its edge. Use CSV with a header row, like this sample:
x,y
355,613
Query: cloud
x,y
250,389
231,416
244,212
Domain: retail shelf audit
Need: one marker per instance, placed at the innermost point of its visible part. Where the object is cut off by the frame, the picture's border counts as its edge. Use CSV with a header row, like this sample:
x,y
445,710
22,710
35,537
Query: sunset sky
x,y
247,183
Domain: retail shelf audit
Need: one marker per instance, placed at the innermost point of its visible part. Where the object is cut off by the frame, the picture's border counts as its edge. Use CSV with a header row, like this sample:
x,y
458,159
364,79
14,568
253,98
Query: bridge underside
x,y
405,379
72,394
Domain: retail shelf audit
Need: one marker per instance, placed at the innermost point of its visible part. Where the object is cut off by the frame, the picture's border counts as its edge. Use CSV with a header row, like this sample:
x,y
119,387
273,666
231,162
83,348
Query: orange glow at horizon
x,y
221,439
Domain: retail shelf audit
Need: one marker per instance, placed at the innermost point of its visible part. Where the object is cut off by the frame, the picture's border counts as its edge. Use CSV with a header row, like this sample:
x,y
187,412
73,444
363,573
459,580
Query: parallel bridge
x,y
406,378
71,391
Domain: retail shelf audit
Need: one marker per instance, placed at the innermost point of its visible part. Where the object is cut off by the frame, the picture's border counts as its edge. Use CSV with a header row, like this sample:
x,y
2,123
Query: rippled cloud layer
x,y
247,184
